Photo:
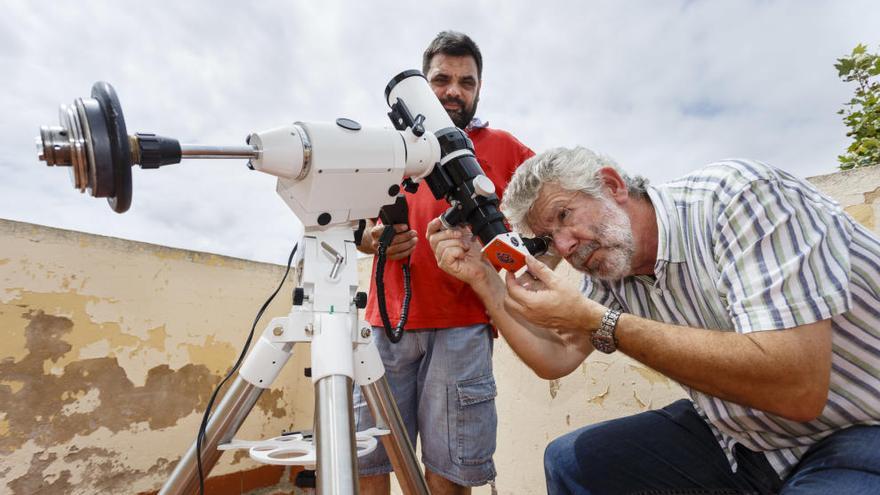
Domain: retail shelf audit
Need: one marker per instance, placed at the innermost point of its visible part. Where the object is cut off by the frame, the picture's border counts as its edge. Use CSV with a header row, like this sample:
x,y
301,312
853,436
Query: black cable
x,y
396,333
247,344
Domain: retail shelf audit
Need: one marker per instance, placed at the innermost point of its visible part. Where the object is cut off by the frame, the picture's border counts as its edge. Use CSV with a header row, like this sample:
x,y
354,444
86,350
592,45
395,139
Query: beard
x,y
617,243
462,116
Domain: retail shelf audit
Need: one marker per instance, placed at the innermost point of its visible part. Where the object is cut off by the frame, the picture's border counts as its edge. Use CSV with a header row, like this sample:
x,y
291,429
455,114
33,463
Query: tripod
x,y
342,353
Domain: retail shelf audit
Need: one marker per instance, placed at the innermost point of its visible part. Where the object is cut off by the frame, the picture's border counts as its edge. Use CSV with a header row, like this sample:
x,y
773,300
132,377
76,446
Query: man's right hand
x,y
402,245
458,253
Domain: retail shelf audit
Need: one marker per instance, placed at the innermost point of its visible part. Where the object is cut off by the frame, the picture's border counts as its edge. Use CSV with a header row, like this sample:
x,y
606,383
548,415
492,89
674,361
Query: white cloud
x,y
664,87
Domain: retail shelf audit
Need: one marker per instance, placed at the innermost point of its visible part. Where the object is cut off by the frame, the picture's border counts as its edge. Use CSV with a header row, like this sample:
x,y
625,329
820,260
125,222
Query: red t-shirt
x,y
440,300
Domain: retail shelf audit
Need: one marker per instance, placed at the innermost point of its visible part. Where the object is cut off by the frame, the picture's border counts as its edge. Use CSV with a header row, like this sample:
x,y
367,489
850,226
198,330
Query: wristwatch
x,y
603,338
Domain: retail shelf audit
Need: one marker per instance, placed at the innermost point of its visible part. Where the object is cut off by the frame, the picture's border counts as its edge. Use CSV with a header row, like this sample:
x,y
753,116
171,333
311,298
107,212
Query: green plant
x,y
862,113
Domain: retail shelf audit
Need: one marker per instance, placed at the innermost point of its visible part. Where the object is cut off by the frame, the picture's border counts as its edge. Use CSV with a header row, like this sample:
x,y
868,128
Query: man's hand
x,y
402,245
545,299
458,253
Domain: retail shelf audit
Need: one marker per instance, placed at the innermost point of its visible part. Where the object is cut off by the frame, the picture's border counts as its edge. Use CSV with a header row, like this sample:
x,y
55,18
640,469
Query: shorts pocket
x,y
476,420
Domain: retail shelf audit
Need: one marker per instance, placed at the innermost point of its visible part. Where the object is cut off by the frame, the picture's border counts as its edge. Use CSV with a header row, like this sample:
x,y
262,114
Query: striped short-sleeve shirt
x,y
744,247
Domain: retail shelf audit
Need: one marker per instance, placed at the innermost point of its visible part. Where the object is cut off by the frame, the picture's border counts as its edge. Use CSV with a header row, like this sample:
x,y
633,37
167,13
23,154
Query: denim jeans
x,y
443,385
673,451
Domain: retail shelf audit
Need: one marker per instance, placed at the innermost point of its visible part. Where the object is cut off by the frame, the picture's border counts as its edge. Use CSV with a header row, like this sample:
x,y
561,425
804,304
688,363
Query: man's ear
x,y
614,183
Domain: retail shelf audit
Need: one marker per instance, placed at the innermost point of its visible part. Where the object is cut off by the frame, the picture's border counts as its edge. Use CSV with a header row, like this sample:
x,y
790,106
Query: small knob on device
x,y
410,185
360,300
483,186
299,296
155,151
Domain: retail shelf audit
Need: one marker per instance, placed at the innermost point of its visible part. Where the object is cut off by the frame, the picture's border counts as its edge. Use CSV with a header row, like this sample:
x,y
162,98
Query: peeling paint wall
x,y
110,351
857,191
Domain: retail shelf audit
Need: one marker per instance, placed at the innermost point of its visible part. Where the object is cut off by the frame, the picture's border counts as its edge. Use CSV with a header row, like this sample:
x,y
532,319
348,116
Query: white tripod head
x,y
336,173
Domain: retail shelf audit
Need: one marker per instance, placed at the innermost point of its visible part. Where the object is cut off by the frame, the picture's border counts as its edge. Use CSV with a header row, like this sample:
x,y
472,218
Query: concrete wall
x,y
857,190
110,349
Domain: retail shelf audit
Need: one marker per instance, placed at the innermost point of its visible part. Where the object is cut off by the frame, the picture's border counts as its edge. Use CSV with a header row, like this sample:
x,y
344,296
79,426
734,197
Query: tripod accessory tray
x,y
297,449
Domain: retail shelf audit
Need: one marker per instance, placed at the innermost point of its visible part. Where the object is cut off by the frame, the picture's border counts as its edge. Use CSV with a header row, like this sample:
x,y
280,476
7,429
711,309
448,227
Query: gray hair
x,y
574,169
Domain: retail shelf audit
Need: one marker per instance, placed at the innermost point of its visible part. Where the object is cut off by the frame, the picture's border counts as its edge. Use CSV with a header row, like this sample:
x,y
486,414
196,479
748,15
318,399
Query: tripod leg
x,y
224,423
370,375
334,436
332,372
397,444
261,366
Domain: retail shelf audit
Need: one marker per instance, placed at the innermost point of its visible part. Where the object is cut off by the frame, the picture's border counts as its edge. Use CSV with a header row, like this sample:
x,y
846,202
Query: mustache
x,y
455,100
582,253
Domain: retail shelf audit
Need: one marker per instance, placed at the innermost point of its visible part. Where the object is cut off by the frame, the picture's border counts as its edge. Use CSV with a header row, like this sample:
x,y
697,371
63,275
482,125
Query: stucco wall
x,y
110,350
857,191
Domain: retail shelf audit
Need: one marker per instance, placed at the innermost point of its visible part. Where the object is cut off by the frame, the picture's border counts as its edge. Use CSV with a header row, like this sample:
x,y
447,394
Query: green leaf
x,y
861,114
845,66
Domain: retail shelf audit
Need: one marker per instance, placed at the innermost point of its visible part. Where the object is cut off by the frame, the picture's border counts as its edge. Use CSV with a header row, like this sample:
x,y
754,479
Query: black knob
x,y
360,300
410,185
306,479
299,295
308,372
156,151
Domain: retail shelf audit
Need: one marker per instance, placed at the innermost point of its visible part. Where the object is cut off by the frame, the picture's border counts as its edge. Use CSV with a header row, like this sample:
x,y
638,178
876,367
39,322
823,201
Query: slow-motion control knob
x,y
360,300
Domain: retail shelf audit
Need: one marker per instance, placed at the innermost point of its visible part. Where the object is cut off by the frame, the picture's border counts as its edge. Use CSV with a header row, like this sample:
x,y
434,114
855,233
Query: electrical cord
x,y
396,333
204,425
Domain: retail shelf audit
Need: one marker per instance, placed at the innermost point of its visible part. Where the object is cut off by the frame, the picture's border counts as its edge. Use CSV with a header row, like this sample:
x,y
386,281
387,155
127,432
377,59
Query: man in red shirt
x,y
441,371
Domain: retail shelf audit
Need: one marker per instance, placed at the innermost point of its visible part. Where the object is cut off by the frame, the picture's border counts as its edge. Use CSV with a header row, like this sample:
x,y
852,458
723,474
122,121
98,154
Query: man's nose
x,y
453,90
564,244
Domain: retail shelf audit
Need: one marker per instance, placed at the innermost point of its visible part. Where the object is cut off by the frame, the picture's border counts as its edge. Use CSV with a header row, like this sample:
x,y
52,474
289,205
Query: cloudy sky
x,y
662,86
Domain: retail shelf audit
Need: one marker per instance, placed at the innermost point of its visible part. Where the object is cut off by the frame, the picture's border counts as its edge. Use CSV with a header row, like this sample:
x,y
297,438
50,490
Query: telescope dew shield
x,y
412,88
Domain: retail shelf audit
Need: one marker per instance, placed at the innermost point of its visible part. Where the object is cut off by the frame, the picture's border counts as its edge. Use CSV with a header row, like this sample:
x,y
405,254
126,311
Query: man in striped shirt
x,y
739,281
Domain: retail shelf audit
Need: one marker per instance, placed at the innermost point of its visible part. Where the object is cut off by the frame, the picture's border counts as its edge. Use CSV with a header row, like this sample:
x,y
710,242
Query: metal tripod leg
x,y
397,445
334,437
261,366
224,423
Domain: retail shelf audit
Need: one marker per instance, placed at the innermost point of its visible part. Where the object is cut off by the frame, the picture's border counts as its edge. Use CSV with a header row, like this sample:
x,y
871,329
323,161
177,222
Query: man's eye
x,y
563,214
